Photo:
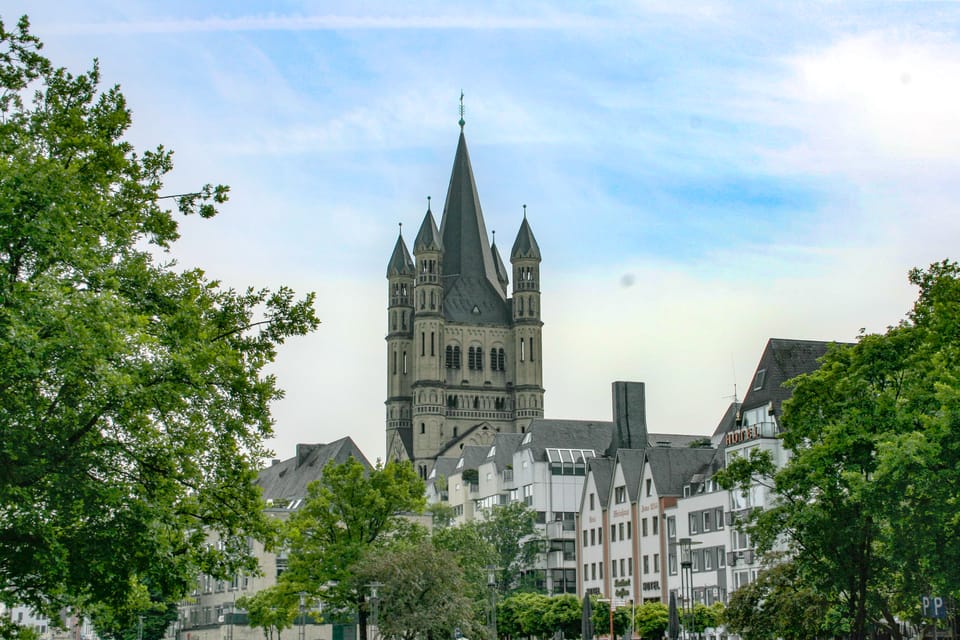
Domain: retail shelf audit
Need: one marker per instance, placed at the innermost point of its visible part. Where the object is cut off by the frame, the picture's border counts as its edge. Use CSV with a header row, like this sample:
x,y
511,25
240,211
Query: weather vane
x,y
461,111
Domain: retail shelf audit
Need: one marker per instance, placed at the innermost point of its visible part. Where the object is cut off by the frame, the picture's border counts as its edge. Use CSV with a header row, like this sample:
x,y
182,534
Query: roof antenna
x,y
461,111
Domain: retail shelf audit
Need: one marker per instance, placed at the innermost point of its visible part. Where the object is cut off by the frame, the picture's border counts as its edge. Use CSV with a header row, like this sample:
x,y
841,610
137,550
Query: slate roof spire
x,y
428,238
401,264
502,276
525,246
467,255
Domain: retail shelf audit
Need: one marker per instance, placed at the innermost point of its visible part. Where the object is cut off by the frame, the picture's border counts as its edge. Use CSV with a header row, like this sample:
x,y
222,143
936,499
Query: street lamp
x,y
375,601
686,583
303,603
492,589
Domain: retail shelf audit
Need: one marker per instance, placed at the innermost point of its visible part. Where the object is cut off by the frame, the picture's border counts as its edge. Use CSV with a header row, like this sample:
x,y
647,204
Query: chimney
x,y
629,416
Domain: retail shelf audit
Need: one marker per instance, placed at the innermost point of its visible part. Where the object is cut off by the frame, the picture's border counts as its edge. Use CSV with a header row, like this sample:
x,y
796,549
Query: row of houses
x,y
624,511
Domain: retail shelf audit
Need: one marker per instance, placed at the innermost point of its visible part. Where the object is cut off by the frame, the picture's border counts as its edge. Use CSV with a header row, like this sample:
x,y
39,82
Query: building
x,y
211,612
463,357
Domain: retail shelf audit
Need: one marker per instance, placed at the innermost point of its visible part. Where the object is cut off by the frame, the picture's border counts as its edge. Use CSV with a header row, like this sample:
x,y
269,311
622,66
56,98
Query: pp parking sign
x,y
934,607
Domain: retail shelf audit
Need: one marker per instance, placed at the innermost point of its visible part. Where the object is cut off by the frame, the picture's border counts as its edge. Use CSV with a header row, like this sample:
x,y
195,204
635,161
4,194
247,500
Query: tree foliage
x,y
348,513
271,609
868,503
422,593
133,403
512,532
652,619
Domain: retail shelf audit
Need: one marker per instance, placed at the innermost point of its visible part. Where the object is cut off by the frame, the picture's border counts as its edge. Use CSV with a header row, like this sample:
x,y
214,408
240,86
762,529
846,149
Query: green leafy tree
x,y
652,620
779,605
512,532
271,609
348,513
868,502
421,594
474,554
601,618
13,631
133,399
563,615
707,616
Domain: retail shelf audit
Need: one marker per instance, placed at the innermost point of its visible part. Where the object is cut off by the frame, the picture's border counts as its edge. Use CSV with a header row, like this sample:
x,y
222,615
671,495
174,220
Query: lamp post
x,y
303,603
492,592
375,601
686,584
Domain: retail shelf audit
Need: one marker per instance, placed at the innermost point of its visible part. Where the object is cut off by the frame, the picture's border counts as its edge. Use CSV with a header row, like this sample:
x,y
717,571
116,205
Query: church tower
x,y
463,358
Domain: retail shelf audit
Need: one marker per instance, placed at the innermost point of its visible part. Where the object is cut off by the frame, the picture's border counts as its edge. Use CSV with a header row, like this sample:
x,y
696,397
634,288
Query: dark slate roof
x,y
672,468
401,264
672,439
289,478
472,290
428,238
473,456
631,461
525,246
601,469
444,466
567,434
500,268
782,360
506,444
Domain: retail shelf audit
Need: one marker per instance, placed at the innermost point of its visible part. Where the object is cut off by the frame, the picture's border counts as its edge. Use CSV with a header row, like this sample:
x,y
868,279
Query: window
x,y
613,568
433,344
708,559
629,529
656,563
521,349
423,427
758,379
613,533
593,537
620,494
593,570
694,523
655,521
423,343
622,572
584,537
591,502
649,486
448,359
501,360
671,527
599,535
707,520
531,349
643,527
621,531
718,517
601,571
646,564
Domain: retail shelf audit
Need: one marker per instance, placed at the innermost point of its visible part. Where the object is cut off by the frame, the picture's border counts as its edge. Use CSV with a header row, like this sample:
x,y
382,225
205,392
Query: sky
x,y
700,176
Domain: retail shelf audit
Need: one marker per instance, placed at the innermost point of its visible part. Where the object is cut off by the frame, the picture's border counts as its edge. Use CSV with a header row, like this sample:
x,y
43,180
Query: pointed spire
x,y
466,248
502,276
428,238
401,264
525,246
462,122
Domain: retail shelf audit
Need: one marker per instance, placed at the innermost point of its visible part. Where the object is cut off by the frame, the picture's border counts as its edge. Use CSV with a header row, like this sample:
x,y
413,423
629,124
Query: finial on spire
x,y
461,111
428,203
494,236
524,212
401,228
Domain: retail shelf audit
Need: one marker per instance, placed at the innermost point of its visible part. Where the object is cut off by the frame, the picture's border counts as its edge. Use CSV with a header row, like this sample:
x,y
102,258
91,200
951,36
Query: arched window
x,y
519,306
522,342
448,359
501,360
493,360
456,357
393,320
476,402
423,427
405,362
531,349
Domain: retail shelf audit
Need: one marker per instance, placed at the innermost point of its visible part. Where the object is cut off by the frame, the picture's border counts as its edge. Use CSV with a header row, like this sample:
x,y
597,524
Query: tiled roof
x,y
631,461
601,470
525,246
671,468
567,434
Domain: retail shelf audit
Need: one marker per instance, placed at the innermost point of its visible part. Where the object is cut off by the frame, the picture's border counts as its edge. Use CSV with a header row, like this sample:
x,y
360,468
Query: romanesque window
x,y
501,361
448,358
456,357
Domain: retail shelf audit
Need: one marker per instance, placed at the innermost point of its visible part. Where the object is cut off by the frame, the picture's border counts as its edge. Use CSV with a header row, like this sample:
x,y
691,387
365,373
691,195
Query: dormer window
x,y
758,379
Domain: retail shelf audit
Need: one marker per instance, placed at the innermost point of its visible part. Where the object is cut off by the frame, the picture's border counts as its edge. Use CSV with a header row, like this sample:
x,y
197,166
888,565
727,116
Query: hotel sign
x,y
743,435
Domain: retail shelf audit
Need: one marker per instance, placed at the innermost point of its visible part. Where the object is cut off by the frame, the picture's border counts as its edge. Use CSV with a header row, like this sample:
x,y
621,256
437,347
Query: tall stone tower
x,y
464,360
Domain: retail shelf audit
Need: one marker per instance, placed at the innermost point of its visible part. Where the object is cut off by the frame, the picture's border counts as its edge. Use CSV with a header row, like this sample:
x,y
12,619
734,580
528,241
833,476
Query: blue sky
x,y
700,176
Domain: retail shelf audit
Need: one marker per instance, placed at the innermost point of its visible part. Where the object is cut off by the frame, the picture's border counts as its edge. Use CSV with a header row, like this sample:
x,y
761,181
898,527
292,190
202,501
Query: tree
x,y
512,532
422,592
563,615
271,609
346,515
133,399
652,619
778,605
601,618
867,503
